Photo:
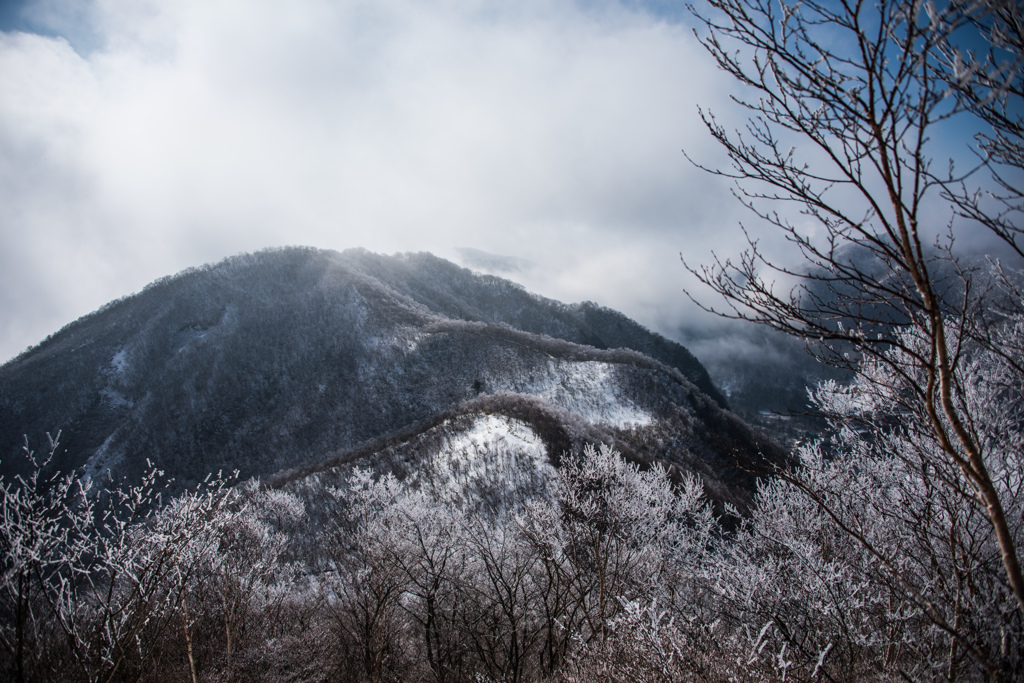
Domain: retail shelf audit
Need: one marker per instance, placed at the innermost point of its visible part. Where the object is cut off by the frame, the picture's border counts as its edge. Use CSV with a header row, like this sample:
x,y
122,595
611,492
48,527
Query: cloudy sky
x,y
141,137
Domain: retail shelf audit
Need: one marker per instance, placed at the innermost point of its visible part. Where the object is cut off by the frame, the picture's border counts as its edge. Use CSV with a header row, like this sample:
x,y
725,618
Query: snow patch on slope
x,y
119,363
491,433
588,389
495,457
117,375
101,461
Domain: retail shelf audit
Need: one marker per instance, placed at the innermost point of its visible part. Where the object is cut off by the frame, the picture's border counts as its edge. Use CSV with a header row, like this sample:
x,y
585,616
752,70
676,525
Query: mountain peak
x,y
285,358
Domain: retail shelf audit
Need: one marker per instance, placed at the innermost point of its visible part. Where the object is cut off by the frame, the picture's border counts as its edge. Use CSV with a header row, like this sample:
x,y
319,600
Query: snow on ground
x,y
588,389
496,456
100,462
119,363
491,433
117,375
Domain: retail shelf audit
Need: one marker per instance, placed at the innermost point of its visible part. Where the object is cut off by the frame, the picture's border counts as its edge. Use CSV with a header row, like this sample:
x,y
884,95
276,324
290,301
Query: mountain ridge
x,y
268,362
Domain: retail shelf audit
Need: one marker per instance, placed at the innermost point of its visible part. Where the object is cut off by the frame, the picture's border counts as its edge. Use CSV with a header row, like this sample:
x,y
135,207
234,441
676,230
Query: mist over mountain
x,y
295,360
765,374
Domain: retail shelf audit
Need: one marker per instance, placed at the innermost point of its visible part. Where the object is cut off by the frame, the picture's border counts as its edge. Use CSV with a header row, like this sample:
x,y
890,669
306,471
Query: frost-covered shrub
x,y
88,578
625,532
869,558
873,558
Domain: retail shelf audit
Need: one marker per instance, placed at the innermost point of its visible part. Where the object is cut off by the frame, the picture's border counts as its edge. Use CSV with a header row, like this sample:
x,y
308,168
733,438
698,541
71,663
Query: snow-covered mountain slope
x,y
287,359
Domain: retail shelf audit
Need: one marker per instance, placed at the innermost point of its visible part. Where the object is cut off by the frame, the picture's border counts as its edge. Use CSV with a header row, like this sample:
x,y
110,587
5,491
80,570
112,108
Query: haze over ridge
x,y
278,360
141,139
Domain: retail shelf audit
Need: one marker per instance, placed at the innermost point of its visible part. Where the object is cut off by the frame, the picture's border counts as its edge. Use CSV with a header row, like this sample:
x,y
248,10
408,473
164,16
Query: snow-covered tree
x,y
846,104
625,532
367,583
87,587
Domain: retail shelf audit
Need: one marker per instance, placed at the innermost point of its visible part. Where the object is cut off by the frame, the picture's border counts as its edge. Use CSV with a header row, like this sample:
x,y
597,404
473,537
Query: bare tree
x,y
42,522
989,83
623,531
434,561
843,101
369,583
88,578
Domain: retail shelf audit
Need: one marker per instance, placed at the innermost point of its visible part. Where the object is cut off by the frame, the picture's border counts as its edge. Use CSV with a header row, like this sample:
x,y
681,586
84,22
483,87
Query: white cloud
x,y
194,130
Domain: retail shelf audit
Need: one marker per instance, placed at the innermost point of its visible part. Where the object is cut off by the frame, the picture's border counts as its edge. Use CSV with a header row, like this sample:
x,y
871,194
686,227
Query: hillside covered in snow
x,y
297,360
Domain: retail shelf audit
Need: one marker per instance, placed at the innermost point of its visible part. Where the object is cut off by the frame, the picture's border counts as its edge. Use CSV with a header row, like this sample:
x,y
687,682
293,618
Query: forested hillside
x,y
286,358
443,478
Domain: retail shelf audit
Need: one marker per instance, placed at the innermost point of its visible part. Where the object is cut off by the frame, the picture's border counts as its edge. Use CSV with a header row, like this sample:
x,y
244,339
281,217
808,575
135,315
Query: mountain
x,y
765,376
295,360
